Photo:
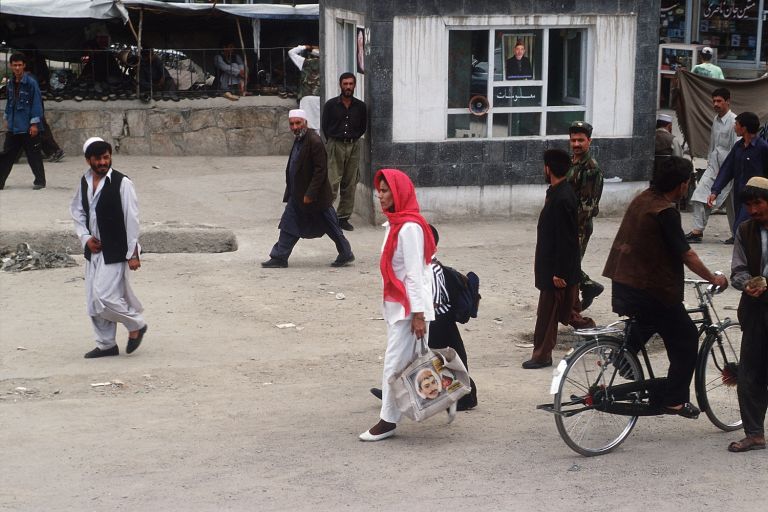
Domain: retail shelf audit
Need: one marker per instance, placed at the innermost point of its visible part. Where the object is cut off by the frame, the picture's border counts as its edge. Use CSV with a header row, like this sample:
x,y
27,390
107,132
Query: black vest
x,y
109,217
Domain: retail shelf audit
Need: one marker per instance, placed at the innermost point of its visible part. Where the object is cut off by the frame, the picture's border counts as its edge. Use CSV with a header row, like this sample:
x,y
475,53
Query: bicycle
x,y
600,390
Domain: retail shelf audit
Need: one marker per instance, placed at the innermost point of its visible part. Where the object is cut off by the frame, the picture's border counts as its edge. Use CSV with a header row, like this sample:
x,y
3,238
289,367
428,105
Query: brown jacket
x,y
311,178
640,258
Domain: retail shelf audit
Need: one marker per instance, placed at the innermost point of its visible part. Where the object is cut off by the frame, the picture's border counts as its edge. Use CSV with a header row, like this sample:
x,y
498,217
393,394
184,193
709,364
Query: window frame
x,y
544,109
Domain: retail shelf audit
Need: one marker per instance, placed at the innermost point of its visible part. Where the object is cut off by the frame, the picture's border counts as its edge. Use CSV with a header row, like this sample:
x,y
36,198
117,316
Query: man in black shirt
x,y
343,122
557,265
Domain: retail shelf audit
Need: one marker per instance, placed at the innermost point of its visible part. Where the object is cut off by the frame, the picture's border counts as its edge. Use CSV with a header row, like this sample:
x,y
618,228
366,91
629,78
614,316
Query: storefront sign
x,y
728,10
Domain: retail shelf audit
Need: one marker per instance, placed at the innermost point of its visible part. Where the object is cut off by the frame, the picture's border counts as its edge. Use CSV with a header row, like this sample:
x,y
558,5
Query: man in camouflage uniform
x,y
587,180
307,58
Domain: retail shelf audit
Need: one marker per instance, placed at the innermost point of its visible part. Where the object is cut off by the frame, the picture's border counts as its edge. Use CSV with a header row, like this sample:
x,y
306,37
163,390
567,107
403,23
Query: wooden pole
x,y
245,56
138,44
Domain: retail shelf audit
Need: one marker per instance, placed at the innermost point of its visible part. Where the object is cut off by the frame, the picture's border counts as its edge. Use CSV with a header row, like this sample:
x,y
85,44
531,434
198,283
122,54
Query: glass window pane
x,y
518,55
516,125
559,122
468,66
516,96
565,78
464,126
731,26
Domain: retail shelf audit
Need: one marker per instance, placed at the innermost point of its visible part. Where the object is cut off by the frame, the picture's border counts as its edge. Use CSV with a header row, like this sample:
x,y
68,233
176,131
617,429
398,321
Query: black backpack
x,y
463,293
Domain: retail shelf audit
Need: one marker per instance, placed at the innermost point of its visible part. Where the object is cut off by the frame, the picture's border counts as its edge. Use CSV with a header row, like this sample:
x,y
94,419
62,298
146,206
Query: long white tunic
x,y
410,268
107,285
721,141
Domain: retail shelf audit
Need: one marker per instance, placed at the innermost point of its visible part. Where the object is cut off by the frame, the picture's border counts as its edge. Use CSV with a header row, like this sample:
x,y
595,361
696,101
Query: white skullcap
x,y
91,141
707,50
664,117
297,112
758,182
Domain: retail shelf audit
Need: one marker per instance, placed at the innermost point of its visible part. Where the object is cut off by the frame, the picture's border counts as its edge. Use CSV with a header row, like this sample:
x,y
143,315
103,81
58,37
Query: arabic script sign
x,y
728,10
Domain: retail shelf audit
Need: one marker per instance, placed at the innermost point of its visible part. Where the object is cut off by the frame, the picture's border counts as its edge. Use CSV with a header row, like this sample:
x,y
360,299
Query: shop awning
x,y
110,9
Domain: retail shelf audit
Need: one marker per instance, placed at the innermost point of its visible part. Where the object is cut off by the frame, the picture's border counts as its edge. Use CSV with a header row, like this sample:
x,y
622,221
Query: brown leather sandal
x,y
745,445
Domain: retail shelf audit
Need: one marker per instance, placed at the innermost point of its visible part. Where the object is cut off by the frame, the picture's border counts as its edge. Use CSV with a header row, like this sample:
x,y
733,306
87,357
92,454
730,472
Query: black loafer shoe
x,y
376,392
535,365
133,343
97,352
729,241
589,292
693,238
688,410
345,225
274,263
343,261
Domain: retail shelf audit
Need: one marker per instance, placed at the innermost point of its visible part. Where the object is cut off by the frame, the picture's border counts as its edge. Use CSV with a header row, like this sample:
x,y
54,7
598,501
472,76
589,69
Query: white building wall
x,y
420,70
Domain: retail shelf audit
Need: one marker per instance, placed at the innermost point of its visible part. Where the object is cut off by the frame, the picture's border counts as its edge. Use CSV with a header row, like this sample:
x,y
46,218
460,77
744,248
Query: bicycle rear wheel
x,y
716,374
589,370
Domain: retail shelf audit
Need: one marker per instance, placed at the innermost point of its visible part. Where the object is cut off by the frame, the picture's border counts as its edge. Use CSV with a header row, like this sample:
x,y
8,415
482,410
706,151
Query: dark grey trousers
x,y
753,366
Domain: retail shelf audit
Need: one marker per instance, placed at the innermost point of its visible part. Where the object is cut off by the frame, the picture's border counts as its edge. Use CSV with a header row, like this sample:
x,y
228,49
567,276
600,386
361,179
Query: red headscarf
x,y
406,209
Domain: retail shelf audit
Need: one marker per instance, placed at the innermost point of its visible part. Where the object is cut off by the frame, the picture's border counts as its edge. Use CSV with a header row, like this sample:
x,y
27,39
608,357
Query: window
x,y
346,45
732,27
515,82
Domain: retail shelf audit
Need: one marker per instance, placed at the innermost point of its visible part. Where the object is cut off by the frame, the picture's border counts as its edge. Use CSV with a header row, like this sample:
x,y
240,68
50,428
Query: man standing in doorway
x,y
587,180
106,215
309,209
721,140
23,118
344,121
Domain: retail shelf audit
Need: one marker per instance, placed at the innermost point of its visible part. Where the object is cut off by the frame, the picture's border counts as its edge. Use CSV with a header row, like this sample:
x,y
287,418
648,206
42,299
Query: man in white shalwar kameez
x,y
721,141
106,214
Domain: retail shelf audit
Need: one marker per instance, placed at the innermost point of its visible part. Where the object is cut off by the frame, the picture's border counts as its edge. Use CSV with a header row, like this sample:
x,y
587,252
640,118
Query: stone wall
x,y
252,126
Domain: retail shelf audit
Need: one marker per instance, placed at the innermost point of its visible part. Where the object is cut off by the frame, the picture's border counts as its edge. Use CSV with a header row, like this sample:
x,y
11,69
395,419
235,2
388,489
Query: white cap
x,y
297,112
91,141
707,50
664,117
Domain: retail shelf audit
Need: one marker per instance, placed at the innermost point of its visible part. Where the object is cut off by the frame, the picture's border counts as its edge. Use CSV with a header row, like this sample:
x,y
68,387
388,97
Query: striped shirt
x,y
439,291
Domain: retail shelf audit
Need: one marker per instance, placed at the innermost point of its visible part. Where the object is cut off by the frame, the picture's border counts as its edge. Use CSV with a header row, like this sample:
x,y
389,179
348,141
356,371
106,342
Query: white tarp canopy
x,y
108,9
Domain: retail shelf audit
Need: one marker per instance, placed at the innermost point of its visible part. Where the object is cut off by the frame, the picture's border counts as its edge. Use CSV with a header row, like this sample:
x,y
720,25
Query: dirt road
x,y
222,410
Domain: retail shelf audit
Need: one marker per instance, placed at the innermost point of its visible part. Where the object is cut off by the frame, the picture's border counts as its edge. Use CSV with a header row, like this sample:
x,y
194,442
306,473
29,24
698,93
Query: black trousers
x,y
48,144
672,323
753,366
286,241
14,143
443,332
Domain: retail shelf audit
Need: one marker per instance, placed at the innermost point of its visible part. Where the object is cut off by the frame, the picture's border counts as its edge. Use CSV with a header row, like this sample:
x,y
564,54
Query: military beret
x,y
581,127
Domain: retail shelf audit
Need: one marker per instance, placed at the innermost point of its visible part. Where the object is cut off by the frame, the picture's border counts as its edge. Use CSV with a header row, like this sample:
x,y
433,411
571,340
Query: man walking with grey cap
x,y
749,270
106,214
309,209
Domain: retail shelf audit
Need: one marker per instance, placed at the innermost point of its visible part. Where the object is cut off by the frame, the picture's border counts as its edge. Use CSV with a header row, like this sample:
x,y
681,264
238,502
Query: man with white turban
x,y
106,214
309,211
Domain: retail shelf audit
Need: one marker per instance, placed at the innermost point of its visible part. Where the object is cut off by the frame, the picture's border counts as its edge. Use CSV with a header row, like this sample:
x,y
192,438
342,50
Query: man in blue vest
x,y
106,215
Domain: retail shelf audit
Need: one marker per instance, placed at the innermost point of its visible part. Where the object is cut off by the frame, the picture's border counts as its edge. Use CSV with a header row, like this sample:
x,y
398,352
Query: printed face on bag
x,y
428,384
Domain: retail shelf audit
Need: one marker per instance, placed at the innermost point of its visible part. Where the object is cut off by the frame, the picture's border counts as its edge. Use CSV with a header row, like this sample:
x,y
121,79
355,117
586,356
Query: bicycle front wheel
x,y
716,375
588,372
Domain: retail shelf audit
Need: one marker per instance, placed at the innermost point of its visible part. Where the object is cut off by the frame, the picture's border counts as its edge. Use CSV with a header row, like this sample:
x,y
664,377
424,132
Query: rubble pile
x,y
24,258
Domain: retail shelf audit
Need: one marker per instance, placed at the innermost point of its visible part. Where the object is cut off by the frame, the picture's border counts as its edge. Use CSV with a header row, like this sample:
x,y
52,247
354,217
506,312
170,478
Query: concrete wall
x,y
255,126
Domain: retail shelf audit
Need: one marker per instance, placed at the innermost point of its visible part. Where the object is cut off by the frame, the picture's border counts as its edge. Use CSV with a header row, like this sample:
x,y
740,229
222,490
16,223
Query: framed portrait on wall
x,y
517,50
360,50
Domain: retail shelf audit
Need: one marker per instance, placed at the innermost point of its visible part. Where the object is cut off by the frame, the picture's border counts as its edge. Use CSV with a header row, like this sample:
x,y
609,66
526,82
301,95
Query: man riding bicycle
x,y
645,264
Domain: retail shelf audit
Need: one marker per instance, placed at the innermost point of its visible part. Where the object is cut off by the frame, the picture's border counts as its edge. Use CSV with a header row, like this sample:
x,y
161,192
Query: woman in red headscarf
x,y
407,308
